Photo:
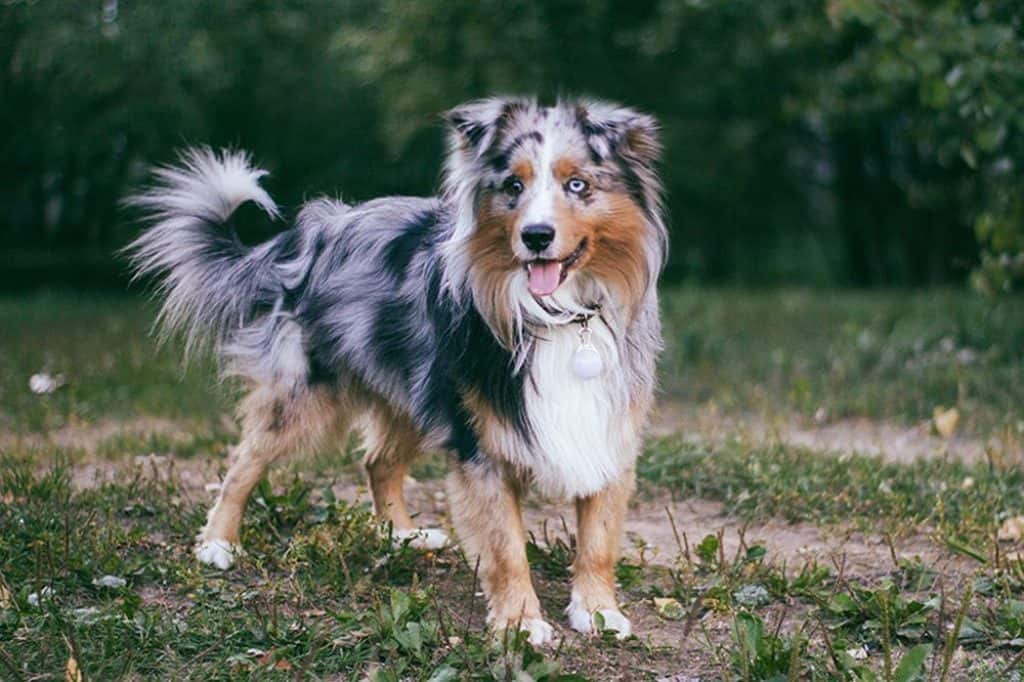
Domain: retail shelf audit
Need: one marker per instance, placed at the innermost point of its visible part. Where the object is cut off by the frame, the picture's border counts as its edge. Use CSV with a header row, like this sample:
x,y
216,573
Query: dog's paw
x,y
585,621
421,538
218,553
539,631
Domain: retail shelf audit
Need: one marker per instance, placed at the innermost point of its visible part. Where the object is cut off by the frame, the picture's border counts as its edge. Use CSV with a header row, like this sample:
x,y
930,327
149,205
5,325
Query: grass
x,y
882,355
321,593
960,501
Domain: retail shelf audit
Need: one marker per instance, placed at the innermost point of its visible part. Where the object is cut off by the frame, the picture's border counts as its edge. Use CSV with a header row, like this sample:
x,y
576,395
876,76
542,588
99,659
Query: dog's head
x,y
558,208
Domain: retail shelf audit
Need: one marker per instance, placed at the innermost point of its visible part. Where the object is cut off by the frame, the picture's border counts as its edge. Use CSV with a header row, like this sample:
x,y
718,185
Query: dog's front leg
x,y
599,520
484,505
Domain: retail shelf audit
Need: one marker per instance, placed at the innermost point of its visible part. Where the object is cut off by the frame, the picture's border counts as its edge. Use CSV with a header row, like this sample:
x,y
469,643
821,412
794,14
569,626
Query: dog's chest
x,y
584,434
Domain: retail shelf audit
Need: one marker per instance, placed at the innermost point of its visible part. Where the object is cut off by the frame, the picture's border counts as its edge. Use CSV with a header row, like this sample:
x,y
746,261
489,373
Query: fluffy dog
x,y
512,321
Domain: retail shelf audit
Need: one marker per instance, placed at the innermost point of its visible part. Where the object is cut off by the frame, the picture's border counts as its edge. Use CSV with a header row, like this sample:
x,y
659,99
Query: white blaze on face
x,y
539,199
538,207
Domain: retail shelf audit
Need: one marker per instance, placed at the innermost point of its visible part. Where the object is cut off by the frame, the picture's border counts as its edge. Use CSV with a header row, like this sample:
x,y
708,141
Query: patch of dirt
x,y
894,442
659,531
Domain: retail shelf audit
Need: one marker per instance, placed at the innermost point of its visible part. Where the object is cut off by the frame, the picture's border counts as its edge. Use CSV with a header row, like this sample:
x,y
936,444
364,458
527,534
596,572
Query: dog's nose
x,y
537,236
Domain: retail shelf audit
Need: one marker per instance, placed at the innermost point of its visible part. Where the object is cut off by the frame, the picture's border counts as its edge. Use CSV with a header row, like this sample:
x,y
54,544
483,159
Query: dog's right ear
x,y
475,126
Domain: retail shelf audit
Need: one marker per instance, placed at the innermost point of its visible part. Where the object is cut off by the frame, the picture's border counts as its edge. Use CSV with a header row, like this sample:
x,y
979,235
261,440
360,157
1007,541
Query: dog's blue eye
x,y
576,185
513,186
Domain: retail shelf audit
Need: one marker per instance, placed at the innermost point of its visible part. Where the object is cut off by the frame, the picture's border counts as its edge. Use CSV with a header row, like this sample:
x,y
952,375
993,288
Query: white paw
x,y
219,553
540,630
582,620
421,538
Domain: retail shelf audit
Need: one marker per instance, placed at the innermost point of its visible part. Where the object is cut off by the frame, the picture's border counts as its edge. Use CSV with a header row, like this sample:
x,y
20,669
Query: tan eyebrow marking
x,y
523,170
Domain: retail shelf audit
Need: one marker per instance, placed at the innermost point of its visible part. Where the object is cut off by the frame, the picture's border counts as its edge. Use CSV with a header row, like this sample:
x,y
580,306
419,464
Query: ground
x,y
829,491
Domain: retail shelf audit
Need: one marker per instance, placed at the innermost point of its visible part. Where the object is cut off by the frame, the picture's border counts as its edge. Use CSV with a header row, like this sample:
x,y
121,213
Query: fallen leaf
x,y
1012,529
946,421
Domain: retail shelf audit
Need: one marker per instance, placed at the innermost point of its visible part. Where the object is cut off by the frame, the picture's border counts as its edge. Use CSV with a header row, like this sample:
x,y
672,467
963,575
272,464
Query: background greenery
x,y
847,142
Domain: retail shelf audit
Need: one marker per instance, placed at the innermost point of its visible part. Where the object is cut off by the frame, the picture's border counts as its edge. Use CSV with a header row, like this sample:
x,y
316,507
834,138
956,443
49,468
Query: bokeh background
x,y
855,143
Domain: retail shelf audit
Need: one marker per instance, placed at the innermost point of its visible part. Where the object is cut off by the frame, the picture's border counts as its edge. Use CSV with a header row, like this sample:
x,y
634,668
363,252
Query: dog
x,y
511,321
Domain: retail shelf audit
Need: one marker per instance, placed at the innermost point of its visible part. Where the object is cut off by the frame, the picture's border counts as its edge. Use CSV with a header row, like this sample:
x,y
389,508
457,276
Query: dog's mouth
x,y
544,276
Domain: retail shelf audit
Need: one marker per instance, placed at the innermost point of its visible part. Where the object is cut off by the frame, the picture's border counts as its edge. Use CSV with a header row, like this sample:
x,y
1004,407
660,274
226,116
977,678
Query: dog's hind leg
x,y
392,444
274,423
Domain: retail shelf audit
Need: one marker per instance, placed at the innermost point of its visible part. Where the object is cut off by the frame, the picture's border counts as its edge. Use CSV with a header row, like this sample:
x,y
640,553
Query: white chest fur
x,y
583,431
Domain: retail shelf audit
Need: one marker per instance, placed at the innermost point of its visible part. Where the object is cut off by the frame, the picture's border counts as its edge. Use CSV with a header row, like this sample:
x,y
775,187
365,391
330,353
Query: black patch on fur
x,y
634,185
392,340
399,253
591,130
463,440
499,160
488,367
474,132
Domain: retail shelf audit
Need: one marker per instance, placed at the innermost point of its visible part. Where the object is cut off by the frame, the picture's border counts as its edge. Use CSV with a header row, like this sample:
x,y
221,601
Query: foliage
x,y
957,64
847,141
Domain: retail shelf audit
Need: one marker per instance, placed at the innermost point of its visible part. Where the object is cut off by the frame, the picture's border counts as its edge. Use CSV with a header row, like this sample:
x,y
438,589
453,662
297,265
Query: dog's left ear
x,y
474,126
620,130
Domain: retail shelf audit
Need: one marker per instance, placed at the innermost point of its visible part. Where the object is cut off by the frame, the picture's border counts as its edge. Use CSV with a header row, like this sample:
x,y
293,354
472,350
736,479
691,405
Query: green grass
x,y
320,590
962,502
890,355
879,354
113,367
321,594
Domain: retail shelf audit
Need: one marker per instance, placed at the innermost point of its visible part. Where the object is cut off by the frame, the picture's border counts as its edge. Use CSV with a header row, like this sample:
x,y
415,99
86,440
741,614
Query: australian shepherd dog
x,y
511,321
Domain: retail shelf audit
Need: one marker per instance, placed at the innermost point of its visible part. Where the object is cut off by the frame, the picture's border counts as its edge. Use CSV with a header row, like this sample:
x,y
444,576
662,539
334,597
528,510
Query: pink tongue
x,y
545,276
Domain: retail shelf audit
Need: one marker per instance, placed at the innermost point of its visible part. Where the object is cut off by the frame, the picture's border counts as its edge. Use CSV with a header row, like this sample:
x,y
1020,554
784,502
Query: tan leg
x,y
485,509
599,520
272,425
392,444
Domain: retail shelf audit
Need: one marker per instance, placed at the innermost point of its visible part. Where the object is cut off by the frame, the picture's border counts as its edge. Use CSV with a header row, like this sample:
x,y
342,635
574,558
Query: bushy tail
x,y
211,283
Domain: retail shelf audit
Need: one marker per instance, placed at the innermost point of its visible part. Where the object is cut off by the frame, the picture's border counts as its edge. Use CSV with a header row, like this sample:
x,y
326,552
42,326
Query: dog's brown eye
x,y
576,185
513,186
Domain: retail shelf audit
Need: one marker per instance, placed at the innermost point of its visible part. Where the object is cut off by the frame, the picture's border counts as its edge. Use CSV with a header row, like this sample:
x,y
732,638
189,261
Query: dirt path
x,y
659,531
892,441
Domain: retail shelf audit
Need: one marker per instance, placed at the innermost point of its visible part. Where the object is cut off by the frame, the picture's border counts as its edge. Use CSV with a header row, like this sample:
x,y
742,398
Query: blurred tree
x,y
867,142
949,77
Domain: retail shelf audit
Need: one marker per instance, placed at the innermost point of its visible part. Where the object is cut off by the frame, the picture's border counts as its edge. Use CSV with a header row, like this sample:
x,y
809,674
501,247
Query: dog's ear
x,y
613,129
475,126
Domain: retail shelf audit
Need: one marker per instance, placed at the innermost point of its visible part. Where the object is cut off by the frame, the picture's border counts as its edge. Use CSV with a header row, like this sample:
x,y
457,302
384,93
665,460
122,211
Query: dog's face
x,y
558,193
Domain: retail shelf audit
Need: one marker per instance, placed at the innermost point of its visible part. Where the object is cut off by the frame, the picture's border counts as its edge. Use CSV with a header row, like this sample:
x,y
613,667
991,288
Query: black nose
x,y
538,236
